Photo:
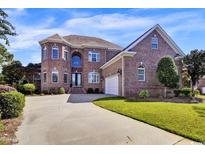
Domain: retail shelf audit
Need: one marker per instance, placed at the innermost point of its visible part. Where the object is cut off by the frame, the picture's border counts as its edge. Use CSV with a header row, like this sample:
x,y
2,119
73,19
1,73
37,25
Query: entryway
x,y
76,79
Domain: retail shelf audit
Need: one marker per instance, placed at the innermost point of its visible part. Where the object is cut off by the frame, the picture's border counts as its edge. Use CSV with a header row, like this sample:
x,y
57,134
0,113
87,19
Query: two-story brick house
x,y
81,62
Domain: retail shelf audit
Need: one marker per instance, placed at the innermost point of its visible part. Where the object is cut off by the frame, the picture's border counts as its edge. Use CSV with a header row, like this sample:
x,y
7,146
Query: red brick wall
x,y
150,58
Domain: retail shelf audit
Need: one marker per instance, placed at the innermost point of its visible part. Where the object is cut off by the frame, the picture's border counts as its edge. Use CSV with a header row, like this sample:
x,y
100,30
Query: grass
x,y
187,120
201,96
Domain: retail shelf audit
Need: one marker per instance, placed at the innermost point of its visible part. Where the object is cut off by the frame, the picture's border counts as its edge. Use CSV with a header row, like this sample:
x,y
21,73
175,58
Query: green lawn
x,y
187,120
201,96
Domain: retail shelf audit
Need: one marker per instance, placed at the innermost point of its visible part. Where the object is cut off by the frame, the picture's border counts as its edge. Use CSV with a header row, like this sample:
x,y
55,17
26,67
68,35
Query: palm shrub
x,y
12,104
29,88
144,94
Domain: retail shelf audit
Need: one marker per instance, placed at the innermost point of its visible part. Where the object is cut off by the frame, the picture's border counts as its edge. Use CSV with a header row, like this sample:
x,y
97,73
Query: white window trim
x,y
156,42
52,53
46,77
64,55
67,78
52,76
91,81
140,68
91,53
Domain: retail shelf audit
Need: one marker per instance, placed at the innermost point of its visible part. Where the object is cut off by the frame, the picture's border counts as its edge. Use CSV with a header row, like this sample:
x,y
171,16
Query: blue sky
x,y
121,26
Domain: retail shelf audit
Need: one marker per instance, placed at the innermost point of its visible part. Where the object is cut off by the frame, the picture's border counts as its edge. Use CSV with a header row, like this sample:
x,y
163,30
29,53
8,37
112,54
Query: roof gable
x,y
163,34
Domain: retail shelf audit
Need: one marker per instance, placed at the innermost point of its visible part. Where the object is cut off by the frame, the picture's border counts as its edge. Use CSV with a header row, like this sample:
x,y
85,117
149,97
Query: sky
x,y
120,26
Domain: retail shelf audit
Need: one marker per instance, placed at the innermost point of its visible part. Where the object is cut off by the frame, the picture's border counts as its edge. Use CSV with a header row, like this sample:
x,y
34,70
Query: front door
x,y
76,79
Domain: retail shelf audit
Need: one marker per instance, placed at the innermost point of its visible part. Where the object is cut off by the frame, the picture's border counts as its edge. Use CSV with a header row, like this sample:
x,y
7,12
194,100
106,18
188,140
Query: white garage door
x,y
112,85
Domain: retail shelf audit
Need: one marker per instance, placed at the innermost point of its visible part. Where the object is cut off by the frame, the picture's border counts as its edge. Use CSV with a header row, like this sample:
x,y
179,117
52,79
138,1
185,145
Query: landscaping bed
x,y
187,120
8,127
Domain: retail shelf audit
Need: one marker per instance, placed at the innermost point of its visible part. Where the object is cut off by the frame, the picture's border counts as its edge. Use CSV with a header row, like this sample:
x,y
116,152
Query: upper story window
x,y
94,56
141,73
55,52
65,55
76,61
44,53
55,76
93,77
154,42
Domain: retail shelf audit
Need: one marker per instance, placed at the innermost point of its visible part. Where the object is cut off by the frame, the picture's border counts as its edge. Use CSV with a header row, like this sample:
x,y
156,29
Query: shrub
x,y
186,91
4,88
45,91
177,92
53,91
12,104
61,90
144,94
90,91
196,92
96,90
29,88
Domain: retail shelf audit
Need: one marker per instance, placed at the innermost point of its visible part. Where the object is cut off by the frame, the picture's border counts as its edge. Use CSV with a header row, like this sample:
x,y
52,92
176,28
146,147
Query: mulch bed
x,y
7,135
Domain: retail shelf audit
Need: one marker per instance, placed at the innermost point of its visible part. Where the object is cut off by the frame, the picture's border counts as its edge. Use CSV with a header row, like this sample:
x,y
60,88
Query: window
x,y
65,55
44,53
55,77
154,42
76,61
65,77
93,77
94,57
55,53
44,77
141,74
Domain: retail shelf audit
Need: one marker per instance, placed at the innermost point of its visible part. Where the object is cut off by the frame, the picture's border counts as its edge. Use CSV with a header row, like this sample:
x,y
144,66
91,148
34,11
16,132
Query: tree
x,y
13,73
6,29
167,73
195,65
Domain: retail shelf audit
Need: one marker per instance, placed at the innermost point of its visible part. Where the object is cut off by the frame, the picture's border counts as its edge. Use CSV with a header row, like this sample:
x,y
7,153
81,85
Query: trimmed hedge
x,y
144,94
11,104
61,90
4,88
29,88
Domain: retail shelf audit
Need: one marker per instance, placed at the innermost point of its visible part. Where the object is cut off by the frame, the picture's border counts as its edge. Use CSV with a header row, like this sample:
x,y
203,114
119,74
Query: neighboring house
x,y
81,62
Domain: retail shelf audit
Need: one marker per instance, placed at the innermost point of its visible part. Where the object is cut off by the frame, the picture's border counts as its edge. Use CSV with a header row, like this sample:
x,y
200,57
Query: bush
x,y
90,91
61,90
53,91
177,92
4,88
186,91
144,94
12,104
46,91
96,90
29,88
196,92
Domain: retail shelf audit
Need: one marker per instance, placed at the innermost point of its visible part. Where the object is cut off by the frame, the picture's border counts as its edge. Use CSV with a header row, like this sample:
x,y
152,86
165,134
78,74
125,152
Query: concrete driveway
x,y
68,119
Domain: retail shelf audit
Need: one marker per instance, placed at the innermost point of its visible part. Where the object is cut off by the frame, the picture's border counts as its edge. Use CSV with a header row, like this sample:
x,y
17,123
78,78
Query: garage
x,y
112,85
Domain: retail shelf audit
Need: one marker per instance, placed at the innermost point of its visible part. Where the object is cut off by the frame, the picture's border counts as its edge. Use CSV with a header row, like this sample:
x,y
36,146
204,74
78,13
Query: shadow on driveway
x,y
85,98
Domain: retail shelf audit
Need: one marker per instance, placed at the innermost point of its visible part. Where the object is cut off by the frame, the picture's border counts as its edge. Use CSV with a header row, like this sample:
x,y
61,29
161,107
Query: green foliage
x,y
90,90
195,65
186,91
144,94
177,92
167,72
13,73
12,104
29,88
183,119
196,92
61,90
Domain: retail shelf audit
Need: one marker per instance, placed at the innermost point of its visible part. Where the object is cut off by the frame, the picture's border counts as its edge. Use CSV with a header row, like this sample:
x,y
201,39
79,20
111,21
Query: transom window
x,y
65,55
55,77
65,77
44,53
93,77
94,56
55,53
154,43
141,73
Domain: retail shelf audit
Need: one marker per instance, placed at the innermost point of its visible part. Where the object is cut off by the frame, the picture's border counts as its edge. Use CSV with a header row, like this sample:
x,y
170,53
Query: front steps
x,y
77,90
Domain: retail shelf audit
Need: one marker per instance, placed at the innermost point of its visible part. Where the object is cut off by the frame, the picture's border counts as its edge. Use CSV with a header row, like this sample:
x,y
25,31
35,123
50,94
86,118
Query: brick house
x,y
81,62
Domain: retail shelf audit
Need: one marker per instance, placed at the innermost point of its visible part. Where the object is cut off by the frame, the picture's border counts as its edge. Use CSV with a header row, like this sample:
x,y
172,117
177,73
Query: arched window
x,y
154,42
44,53
55,52
76,61
141,73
